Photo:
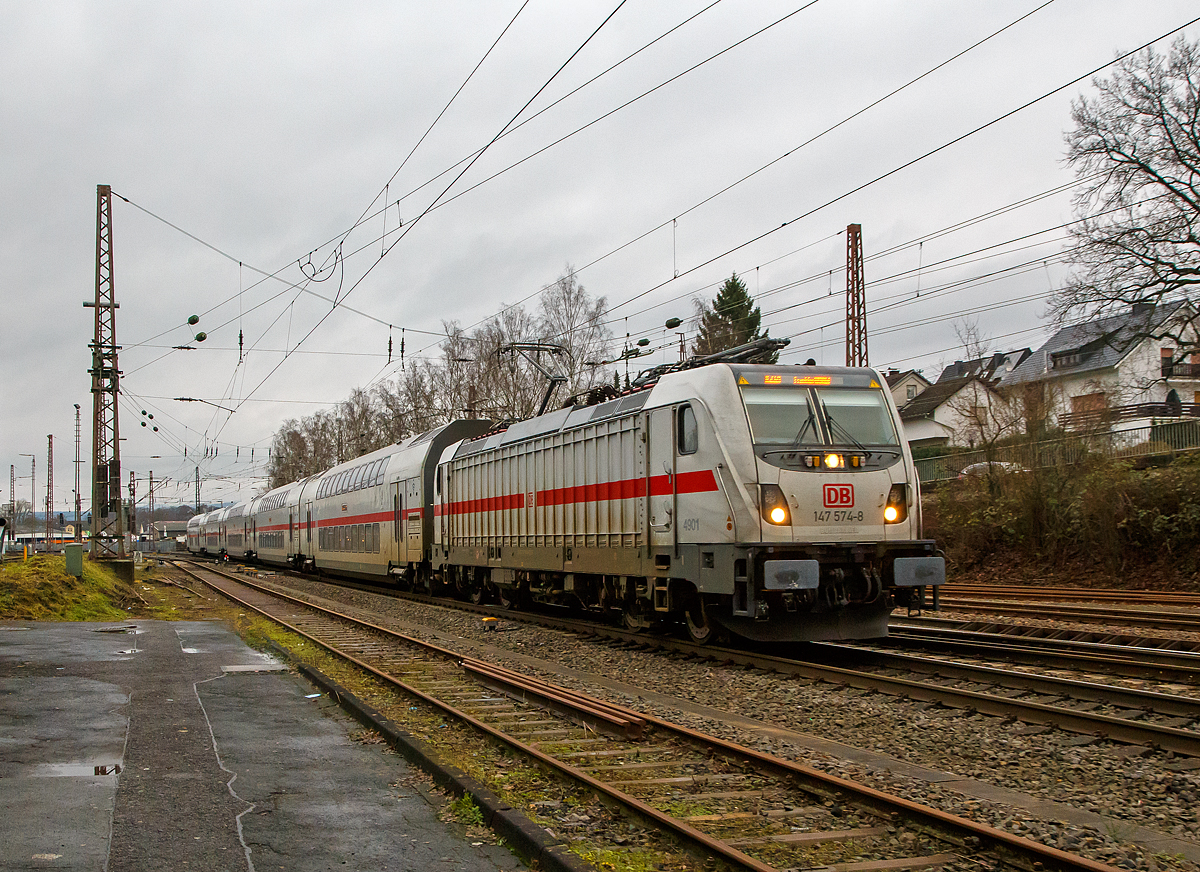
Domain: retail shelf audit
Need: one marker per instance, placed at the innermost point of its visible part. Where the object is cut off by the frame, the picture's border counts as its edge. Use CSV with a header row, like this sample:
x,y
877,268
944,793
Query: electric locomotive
x,y
778,503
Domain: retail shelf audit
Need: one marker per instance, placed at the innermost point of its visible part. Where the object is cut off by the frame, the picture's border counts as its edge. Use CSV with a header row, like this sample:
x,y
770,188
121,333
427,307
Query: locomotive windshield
x,y
807,416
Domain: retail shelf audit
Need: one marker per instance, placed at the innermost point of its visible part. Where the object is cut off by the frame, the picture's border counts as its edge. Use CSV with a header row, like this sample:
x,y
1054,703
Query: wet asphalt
x,y
171,745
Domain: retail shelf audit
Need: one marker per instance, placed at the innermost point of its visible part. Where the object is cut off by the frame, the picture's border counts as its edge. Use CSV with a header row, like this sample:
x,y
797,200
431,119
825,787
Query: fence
x,y
1155,439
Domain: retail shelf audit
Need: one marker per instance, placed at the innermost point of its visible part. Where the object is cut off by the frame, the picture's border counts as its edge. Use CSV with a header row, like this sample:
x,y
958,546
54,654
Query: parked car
x,y
990,467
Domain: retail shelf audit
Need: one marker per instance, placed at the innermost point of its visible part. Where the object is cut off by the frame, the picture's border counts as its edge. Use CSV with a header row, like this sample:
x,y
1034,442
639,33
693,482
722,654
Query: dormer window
x,y
1064,359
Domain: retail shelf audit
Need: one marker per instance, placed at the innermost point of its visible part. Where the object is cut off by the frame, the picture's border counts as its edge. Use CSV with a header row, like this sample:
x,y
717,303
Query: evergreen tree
x,y
731,320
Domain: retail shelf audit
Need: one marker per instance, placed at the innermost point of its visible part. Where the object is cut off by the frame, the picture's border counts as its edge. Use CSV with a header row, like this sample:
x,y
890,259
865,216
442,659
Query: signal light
x,y
896,509
774,506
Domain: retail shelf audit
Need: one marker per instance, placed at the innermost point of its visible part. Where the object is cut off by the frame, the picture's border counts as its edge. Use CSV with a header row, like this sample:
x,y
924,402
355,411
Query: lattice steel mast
x,y
856,299
108,538
49,490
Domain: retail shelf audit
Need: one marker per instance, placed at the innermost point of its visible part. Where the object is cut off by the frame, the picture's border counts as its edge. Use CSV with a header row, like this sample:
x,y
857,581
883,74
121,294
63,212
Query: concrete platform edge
x,y
523,834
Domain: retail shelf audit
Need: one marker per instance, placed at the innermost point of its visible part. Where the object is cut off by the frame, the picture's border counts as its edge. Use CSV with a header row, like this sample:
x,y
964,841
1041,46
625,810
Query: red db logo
x,y
839,496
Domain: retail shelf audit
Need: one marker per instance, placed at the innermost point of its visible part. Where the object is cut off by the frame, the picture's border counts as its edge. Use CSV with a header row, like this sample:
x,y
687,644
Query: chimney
x,y
1141,309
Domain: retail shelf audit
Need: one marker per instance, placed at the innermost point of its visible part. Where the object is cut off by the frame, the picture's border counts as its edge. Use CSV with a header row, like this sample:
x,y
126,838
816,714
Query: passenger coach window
x,y
689,435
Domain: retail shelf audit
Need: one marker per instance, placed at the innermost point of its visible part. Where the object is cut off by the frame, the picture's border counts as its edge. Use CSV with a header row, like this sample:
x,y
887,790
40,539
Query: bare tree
x,y
22,516
1136,147
986,416
470,379
572,318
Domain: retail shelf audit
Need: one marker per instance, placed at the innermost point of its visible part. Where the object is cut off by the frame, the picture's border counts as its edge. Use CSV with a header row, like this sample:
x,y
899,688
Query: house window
x,y
1034,403
1063,359
911,392
1168,361
1096,402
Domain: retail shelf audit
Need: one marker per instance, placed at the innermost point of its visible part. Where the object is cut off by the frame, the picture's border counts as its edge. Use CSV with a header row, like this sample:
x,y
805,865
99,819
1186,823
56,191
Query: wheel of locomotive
x,y
512,598
477,589
701,627
634,615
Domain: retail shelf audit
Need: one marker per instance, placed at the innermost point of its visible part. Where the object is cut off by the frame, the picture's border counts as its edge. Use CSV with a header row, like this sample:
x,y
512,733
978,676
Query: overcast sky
x,y
265,130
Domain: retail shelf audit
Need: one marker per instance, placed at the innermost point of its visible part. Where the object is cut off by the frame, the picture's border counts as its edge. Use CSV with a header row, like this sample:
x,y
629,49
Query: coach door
x,y
399,550
660,478
308,528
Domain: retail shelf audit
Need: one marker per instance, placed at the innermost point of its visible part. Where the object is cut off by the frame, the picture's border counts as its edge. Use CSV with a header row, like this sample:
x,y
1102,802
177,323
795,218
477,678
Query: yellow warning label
x,y
874,383
742,380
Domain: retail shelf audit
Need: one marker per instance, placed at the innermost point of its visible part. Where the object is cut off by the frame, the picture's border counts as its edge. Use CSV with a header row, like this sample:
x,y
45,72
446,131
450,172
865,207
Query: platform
x,y
162,745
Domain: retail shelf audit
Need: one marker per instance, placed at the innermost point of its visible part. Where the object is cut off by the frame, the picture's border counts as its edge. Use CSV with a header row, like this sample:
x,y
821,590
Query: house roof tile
x,y
1093,345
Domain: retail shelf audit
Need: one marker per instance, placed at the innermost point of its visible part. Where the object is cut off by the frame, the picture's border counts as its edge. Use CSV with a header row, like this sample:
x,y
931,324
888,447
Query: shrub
x,y
1099,512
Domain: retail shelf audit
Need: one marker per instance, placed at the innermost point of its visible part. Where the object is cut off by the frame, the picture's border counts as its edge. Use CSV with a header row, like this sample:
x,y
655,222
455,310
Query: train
x,y
771,502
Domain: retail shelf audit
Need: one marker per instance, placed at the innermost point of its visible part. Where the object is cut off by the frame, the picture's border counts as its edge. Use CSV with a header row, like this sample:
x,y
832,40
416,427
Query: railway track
x,y
1136,717
1183,621
751,810
1068,594
1135,657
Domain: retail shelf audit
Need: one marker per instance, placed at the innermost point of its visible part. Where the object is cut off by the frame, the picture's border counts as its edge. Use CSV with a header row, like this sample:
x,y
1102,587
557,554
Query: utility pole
x,y
12,492
132,504
856,299
78,495
108,538
49,490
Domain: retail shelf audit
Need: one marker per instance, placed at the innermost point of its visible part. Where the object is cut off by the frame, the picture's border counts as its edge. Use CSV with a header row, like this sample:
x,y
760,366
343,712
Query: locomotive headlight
x,y
774,505
896,509
834,461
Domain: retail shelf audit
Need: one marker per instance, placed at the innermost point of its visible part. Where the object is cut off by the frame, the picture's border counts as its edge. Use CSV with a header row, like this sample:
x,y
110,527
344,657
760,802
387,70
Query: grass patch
x,y
466,811
633,860
39,589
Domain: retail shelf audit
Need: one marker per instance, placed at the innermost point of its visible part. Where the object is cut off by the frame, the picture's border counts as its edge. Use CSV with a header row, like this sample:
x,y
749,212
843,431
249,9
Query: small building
x,y
964,411
905,386
169,529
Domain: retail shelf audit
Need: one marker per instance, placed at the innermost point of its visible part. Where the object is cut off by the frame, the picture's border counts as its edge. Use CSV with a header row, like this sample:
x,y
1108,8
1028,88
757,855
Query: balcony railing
x,y
1180,370
1159,438
1099,418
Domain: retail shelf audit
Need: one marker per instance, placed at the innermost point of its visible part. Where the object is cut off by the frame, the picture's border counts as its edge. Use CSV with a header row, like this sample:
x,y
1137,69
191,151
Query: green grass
x,y
39,589
466,811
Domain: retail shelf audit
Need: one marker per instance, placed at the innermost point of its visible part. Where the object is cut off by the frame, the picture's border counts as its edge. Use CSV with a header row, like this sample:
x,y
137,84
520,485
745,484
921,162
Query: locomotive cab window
x,y
779,416
689,433
813,416
857,416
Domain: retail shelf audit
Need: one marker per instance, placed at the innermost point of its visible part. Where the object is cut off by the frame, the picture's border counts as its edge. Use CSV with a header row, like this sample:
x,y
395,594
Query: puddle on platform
x,y
130,629
190,650
76,770
130,651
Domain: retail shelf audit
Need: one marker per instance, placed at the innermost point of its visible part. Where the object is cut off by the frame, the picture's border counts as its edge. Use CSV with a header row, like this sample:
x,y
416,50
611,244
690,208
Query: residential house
x,y
992,367
905,386
963,411
1119,372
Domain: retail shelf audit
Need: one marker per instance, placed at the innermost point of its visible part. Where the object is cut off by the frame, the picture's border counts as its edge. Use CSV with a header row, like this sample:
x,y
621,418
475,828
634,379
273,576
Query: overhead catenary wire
x,y
746,177
465,169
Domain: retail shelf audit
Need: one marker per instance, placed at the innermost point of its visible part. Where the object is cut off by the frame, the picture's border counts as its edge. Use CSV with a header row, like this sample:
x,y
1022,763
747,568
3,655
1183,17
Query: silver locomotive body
x,y
776,502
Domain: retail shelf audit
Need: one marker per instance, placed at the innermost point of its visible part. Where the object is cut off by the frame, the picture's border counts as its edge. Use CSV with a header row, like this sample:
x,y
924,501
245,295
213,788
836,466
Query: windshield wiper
x,y
811,422
836,429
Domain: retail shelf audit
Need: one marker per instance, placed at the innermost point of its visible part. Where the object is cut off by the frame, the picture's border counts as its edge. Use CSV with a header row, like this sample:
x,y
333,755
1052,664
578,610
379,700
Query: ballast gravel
x,y
1128,786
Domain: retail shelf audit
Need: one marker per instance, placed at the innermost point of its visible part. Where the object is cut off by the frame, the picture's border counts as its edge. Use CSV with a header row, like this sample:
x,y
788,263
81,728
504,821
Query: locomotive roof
x,y
758,374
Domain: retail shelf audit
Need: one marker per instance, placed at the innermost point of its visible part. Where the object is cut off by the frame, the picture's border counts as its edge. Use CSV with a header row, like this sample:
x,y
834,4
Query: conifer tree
x,y
731,320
